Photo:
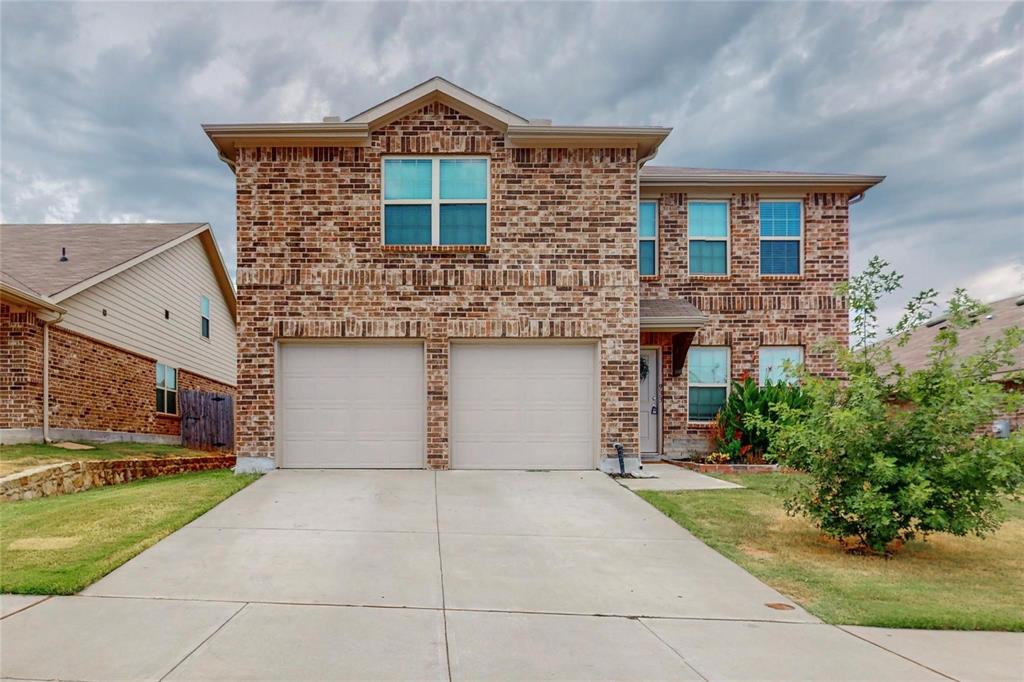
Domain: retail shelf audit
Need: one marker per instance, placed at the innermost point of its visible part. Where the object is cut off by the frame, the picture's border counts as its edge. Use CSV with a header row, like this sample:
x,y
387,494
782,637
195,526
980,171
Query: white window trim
x,y
689,385
760,359
435,200
728,233
167,390
800,239
655,238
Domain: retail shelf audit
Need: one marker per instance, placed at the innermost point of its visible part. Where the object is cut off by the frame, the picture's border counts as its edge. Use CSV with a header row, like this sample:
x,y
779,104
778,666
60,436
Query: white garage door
x,y
523,406
351,405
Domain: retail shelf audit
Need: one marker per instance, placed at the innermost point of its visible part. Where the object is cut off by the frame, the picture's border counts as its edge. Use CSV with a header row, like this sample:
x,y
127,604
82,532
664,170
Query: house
x,y
440,282
102,325
1003,314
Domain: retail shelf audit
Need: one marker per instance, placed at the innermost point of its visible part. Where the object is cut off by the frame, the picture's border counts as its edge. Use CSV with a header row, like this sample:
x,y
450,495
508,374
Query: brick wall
x,y
561,262
21,368
748,310
98,387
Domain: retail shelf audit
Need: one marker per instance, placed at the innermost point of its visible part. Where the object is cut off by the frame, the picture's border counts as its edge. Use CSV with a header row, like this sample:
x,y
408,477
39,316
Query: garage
x,y
351,405
523,405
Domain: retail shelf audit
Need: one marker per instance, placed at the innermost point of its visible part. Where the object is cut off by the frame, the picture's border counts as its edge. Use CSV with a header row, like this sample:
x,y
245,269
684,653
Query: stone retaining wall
x,y
74,477
731,468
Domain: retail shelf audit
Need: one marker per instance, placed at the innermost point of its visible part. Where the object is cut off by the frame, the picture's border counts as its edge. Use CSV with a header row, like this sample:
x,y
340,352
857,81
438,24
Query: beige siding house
x,y
103,325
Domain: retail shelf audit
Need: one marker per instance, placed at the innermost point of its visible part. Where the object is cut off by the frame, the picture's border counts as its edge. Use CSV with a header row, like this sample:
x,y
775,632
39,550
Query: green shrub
x,y
895,454
738,434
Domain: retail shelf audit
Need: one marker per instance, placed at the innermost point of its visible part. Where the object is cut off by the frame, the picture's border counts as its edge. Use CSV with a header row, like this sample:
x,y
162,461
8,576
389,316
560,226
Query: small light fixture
x,y
63,255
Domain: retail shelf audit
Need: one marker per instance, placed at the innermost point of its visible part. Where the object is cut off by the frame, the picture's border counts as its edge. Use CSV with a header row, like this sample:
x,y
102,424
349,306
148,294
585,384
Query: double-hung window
x,y
779,363
708,378
708,232
166,389
648,229
204,314
436,200
781,237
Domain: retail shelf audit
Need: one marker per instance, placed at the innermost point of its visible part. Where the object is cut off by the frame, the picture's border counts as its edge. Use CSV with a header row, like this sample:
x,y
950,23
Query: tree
x,y
893,454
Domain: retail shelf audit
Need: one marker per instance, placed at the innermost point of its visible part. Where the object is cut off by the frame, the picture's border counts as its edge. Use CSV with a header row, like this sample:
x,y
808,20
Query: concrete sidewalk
x,y
453,575
672,477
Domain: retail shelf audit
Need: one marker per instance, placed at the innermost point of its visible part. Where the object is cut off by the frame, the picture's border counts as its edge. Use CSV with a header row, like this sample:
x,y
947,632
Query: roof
x,y
667,176
31,262
1006,313
670,314
355,132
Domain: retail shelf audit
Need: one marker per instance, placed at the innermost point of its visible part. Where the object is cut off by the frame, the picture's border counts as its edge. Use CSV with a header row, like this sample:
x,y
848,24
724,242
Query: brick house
x,y
440,282
102,325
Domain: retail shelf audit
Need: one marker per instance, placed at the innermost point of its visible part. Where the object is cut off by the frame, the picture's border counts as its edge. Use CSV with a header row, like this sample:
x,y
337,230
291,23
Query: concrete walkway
x,y
671,477
452,575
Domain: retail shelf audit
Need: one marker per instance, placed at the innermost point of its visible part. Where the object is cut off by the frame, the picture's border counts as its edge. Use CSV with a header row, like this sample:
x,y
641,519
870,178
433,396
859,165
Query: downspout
x,y
856,198
229,162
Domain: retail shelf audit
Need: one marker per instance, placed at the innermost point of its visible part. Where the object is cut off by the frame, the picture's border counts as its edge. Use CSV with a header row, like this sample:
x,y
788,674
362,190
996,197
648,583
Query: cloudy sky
x,y
100,104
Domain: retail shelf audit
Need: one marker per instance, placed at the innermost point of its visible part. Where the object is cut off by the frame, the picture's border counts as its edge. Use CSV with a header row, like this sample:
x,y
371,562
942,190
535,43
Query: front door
x,y
650,409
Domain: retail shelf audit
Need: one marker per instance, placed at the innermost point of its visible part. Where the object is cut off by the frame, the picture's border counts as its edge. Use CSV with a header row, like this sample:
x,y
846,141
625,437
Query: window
x,y
781,237
774,360
204,312
166,389
433,201
648,238
708,377
708,232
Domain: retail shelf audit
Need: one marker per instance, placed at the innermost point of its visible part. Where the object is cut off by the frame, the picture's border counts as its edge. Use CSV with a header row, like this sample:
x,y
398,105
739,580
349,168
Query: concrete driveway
x,y
421,575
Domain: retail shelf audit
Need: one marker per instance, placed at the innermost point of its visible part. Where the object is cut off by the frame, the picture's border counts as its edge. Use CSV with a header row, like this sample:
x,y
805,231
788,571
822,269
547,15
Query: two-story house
x,y
439,282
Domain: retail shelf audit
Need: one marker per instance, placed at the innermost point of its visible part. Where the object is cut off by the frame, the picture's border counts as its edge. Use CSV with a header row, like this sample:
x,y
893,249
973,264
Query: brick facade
x,y
749,310
21,368
561,263
93,386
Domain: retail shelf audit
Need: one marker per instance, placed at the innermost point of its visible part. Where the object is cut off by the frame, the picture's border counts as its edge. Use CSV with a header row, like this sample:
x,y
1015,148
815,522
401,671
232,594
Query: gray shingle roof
x,y
30,254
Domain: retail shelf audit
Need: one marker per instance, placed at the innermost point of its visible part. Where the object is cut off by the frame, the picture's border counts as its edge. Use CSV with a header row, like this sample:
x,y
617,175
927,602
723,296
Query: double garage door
x,y
511,405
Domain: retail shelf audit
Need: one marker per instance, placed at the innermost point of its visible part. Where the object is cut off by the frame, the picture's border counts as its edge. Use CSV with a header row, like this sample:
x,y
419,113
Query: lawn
x,y
14,458
59,545
944,583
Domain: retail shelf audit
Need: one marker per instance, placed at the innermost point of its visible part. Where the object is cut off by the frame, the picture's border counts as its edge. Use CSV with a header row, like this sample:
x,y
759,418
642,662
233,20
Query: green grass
x,y
59,545
944,583
15,458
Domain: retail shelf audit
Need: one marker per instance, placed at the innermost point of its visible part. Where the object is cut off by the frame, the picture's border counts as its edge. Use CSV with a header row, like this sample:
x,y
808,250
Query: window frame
x,y
205,330
727,238
760,360
689,384
655,239
164,388
800,240
435,202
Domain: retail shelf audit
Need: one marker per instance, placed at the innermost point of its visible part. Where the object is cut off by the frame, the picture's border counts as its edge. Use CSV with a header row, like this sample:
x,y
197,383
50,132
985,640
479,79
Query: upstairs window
x,y
648,238
707,374
435,201
166,389
781,237
778,363
708,232
204,314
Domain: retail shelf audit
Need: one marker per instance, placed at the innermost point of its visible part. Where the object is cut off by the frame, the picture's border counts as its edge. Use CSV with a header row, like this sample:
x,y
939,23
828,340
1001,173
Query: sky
x,y
101,103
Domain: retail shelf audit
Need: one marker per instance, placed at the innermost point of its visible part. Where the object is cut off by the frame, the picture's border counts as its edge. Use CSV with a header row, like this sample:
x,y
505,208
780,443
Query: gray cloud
x,y
101,103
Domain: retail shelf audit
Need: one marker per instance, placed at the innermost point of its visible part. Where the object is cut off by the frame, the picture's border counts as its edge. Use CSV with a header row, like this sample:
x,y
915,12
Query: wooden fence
x,y
207,420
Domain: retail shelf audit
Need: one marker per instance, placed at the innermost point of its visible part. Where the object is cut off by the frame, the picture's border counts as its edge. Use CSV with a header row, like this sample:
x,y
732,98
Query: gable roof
x,y
355,132
31,261
437,88
1006,313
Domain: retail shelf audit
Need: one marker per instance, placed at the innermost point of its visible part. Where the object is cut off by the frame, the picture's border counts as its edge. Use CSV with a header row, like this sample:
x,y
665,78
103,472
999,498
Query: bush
x,y
897,455
740,436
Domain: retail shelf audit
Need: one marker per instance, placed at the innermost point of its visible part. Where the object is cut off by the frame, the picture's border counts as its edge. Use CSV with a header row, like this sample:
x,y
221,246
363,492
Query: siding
x,y
135,301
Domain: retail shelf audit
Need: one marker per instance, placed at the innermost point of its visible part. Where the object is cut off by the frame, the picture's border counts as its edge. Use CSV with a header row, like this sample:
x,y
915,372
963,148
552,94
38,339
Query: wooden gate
x,y
207,420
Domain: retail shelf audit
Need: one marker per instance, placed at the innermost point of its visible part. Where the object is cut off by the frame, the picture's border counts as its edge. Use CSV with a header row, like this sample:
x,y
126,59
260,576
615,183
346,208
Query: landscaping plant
x,y
739,436
894,454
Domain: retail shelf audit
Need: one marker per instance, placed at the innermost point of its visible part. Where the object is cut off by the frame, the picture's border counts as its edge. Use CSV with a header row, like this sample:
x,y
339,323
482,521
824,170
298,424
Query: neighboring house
x,y
440,282
1003,314
102,325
